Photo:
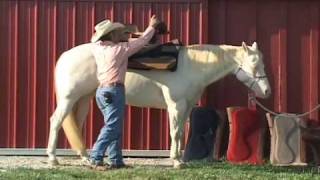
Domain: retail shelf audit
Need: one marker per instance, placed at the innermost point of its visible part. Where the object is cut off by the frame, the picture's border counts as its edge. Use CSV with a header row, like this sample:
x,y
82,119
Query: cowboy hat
x,y
104,28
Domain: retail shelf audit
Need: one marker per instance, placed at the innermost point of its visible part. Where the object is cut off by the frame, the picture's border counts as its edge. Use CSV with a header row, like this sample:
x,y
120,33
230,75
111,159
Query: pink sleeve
x,y
135,45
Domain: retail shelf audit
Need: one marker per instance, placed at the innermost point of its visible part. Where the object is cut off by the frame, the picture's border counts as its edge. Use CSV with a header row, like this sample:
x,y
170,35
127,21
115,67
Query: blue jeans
x,y
111,102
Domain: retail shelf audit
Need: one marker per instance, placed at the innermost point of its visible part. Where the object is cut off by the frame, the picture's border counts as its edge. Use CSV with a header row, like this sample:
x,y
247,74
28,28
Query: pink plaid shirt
x,y
112,59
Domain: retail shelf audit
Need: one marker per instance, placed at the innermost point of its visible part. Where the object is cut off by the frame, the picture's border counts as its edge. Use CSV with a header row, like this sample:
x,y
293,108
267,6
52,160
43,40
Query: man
x,y
111,51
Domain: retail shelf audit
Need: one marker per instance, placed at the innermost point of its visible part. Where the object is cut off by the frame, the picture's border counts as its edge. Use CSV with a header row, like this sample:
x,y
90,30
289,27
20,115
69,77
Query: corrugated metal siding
x,y
34,34
287,33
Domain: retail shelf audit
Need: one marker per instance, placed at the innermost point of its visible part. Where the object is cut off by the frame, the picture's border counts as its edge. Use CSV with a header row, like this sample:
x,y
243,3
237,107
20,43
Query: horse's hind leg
x,y
63,109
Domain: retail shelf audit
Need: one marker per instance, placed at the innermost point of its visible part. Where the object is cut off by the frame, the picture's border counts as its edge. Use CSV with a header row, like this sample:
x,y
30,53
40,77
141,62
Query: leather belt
x,y
114,84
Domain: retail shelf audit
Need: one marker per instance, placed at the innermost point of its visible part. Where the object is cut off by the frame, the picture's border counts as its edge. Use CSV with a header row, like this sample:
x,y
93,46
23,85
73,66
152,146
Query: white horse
x,y
178,92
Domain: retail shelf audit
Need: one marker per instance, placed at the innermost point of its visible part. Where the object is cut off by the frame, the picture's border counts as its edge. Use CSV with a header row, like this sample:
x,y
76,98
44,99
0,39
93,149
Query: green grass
x,y
196,170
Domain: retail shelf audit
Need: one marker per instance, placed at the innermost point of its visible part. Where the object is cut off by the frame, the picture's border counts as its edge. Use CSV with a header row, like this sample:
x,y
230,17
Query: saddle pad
x,y
203,125
287,147
245,144
311,136
287,138
311,133
158,63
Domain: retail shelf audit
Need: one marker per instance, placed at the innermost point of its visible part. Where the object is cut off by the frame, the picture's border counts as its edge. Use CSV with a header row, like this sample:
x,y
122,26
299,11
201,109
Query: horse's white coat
x,y
178,92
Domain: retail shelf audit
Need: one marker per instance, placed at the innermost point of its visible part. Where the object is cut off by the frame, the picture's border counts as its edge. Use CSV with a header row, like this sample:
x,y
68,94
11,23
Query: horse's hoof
x,y
84,158
209,160
179,164
85,161
83,154
53,162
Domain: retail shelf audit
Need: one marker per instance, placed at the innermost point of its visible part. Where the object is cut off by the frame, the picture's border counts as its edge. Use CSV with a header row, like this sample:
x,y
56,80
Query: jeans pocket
x,y
107,97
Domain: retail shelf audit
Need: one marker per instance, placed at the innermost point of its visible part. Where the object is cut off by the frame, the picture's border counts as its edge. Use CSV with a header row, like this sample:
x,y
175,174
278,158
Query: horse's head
x,y
250,70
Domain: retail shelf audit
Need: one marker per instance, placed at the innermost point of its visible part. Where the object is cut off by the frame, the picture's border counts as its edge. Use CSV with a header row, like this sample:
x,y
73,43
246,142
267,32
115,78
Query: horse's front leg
x,y
177,116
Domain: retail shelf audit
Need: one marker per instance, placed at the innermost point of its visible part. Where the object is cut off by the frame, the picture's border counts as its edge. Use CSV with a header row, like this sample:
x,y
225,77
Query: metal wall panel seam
x,y
203,33
8,67
169,37
282,81
90,114
15,77
148,133
55,56
4,71
112,10
34,74
187,23
314,57
29,60
129,119
253,33
9,81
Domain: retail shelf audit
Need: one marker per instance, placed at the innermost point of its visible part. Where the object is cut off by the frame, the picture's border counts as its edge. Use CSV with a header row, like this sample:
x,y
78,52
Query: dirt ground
x,y
40,162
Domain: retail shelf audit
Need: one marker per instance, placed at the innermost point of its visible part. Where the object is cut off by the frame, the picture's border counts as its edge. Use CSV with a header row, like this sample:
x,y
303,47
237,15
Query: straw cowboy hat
x,y
104,28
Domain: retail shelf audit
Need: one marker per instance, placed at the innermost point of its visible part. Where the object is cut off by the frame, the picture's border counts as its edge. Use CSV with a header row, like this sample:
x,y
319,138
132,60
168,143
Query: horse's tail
x,y
73,134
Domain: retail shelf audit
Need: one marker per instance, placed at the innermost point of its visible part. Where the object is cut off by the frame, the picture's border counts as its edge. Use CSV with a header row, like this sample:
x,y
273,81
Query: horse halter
x,y
255,78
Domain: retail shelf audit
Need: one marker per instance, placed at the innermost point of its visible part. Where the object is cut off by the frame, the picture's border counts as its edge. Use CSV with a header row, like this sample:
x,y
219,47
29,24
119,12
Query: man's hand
x,y
154,21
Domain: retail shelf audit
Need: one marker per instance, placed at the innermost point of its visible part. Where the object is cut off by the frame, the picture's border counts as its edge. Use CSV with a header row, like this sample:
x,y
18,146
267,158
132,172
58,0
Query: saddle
x,y
204,123
220,135
155,56
162,57
246,136
311,136
287,146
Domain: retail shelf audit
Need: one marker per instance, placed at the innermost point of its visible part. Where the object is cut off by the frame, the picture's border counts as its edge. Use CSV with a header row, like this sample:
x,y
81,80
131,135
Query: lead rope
x,y
252,98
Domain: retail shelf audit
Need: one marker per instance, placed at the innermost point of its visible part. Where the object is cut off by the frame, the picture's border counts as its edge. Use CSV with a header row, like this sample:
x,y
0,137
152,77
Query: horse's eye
x,y
255,60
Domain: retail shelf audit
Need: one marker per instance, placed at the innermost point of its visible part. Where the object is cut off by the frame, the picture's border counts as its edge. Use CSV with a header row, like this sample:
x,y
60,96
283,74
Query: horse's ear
x,y
244,46
255,46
